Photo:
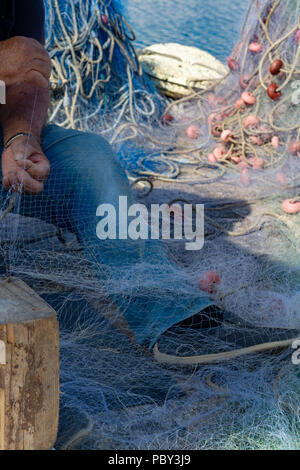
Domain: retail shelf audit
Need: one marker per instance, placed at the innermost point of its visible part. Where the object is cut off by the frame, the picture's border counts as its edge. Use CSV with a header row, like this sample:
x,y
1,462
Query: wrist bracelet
x,y
16,136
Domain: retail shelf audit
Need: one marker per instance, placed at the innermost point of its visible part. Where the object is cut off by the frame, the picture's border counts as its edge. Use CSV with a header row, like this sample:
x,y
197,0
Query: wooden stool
x,y
29,369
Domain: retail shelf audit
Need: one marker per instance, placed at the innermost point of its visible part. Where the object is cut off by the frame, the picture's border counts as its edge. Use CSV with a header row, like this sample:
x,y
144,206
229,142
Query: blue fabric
x,y
84,174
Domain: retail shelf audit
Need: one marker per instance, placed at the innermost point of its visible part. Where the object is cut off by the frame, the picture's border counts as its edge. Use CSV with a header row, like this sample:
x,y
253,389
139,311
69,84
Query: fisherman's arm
x,y
23,163
26,76
25,67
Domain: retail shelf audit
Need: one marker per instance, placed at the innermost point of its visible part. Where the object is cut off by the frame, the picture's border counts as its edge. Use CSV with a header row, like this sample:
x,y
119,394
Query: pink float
x,y
209,282
291,207
281,178
295,147
193,132
248,98
226,135
211,158
251,121
239,104
257,162
232,64
255,47
275,142
244,81
220,152
245,177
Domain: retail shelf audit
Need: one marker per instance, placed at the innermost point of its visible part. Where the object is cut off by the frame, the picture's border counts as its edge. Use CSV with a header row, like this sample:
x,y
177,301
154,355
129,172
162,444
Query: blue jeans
x,y
85,173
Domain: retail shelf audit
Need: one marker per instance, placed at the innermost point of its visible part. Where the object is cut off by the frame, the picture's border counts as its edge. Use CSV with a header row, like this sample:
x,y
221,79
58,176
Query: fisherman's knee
x,y
82,158
96,166
95,153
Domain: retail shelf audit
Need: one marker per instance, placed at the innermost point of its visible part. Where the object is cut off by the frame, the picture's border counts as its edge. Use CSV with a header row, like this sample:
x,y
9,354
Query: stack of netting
x,y
236,157
97,81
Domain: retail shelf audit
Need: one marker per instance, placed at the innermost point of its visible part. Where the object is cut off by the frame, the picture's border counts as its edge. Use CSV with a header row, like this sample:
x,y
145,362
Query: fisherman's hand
x,y
24,60
24,166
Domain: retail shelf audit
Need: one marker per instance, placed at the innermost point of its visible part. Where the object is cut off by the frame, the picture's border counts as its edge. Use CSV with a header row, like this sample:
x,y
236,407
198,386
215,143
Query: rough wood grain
x,y
29,379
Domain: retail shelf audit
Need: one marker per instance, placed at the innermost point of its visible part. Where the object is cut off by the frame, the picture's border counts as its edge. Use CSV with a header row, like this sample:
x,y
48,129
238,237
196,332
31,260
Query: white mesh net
x,y
115,394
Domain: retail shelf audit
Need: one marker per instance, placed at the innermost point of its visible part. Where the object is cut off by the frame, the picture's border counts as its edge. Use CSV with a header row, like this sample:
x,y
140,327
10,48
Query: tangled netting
x,y
233,147
97,80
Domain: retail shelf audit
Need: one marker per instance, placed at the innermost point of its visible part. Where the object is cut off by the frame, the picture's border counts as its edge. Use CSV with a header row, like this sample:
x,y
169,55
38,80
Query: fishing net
x,y
234,148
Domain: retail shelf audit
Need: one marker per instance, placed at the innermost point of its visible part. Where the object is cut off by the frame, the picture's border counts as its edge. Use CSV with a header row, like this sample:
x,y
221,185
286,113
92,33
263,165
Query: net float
x,y
167,118
211,117
232,63
220,152
275,142
255,47
291,207
211,98
245,177
257,163
226,135
248,98
104,19
282,179
216,130
211,158
193,132
297,37
251,121
239,104
214,99
209,281
276,66
273,91
244,81
295,147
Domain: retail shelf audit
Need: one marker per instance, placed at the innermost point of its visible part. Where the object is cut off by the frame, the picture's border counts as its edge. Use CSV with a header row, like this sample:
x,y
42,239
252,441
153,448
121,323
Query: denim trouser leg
x,y
84,174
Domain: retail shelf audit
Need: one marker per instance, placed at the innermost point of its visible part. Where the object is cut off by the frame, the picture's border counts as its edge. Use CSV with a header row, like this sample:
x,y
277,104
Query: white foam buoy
x,y
176,69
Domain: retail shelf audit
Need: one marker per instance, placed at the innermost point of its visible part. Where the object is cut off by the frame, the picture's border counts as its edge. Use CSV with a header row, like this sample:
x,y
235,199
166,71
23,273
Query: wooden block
x,y
29,369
